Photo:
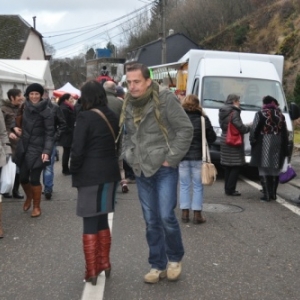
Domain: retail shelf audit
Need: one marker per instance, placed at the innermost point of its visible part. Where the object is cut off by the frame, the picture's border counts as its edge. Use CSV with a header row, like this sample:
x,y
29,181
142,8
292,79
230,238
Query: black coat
x,y
66,136
231,156
269,139
195,150
93,157
37,134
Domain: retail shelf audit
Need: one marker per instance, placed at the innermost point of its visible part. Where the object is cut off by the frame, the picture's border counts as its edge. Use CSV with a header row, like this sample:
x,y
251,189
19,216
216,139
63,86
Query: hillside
x,y
274,29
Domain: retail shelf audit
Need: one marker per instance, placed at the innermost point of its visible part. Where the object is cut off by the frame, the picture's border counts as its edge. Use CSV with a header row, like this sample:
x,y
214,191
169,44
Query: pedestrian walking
x,y
190,165
95,174
10,109
60,126
269,142
158,135
115,104
35,146
66,104
232,157
5,152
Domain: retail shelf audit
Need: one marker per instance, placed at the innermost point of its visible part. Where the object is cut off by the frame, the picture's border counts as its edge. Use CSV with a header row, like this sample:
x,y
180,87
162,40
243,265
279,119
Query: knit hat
x,y
34,87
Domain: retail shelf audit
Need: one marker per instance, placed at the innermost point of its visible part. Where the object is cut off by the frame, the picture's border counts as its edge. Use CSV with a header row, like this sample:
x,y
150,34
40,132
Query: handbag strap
x,y
102,115
205,149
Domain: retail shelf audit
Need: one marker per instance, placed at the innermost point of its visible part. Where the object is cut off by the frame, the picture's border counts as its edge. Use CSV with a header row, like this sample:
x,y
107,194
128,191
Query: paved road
x,y
247,249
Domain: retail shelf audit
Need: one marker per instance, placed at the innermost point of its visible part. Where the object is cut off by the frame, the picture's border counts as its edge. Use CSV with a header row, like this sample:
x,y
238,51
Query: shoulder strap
x,y
205,149
101,114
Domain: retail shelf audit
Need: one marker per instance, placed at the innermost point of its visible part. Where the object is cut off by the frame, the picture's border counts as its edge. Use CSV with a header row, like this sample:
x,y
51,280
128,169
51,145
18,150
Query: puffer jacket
x,y
37,134
230,155
146,146
10,112
195,151
66,137
269,139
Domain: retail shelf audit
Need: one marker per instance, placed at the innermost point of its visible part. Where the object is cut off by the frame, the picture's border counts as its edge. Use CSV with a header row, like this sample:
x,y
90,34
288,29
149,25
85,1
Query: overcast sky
x,y
85,19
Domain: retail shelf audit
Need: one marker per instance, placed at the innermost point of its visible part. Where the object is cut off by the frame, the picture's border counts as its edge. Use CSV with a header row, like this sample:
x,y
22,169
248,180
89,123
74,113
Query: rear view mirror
x,y
294,111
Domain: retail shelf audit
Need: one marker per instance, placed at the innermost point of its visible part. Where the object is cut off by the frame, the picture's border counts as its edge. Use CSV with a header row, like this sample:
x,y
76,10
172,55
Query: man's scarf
x,y
139,105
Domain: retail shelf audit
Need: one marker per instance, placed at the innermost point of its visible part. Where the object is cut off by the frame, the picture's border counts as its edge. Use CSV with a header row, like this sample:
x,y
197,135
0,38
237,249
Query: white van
x,y
213,75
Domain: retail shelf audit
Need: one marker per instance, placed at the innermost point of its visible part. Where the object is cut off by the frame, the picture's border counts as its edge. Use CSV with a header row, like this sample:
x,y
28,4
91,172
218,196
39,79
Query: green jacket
x,y
146,147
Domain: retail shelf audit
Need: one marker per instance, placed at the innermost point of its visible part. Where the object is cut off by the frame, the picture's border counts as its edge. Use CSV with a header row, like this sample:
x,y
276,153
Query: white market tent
x,y
67,88
28,71
21,73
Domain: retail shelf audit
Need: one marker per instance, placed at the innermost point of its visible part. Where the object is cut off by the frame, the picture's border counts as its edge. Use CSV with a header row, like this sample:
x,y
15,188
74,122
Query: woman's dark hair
x,y
269,99
13,93
63,98
92,95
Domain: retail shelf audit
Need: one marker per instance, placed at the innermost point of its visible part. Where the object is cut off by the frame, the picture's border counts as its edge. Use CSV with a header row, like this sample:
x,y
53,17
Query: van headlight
x,y
218,131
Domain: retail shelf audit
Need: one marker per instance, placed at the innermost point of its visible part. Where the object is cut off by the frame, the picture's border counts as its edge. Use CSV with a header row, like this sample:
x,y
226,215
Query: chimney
x,y
34,21
171,31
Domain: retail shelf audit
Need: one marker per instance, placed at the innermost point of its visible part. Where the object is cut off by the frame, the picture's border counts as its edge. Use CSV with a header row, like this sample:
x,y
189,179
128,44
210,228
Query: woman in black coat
x,y
190,166
95,174
269,141
232,157
66,104
35,145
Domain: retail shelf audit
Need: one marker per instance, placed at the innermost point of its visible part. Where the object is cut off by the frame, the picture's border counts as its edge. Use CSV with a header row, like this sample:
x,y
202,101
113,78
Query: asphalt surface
x,y
248,249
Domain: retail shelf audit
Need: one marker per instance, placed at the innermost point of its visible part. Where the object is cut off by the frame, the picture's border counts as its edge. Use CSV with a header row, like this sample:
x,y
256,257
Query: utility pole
x,y
163,28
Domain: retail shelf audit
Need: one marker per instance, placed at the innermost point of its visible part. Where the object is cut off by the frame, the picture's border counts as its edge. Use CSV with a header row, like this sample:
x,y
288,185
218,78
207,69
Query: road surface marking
x,y
96,292
281,201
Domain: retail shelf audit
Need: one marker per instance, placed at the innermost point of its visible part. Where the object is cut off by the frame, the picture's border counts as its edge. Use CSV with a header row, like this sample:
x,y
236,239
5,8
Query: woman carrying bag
x,y
269,141
95,174
34,148
232,157
190,166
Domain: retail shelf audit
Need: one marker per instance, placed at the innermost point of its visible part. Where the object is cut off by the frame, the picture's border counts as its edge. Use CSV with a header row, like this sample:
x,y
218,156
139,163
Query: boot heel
x,y
92,280
107,273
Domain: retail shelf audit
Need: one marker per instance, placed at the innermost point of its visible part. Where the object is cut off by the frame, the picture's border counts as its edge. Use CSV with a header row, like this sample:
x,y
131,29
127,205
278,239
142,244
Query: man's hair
x,y
92,95
109,85
143,68
13,93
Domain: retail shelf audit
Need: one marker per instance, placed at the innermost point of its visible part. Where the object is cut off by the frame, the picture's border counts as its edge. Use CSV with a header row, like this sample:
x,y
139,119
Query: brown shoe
x,y
198,218
185,215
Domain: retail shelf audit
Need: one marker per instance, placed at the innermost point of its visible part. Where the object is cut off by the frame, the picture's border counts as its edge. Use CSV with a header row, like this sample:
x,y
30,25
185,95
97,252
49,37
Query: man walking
x,y
159,134
115,104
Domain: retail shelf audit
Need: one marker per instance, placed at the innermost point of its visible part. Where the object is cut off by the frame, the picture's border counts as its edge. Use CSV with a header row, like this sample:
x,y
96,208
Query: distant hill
x,y
274,29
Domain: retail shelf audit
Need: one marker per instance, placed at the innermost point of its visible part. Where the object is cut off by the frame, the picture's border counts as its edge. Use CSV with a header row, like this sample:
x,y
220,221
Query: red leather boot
x,y
104,242
90,249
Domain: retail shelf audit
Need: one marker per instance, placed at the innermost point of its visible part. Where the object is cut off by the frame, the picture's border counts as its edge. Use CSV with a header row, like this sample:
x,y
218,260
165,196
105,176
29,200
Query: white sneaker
x,y
154,275
174,270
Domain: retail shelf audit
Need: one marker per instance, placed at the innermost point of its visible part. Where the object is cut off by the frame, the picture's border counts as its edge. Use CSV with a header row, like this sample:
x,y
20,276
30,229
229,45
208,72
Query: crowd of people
x,y
148,136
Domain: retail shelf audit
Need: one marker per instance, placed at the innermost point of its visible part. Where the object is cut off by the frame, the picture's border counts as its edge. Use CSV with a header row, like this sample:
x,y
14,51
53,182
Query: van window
x,y
251,91
195,90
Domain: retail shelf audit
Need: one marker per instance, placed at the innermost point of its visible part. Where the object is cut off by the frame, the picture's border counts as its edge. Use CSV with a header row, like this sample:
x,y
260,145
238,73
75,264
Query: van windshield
x,y
251,91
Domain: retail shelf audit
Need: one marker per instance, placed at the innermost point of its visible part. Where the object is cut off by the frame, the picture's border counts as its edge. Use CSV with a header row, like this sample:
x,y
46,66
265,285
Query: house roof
x,y
14,32
150,54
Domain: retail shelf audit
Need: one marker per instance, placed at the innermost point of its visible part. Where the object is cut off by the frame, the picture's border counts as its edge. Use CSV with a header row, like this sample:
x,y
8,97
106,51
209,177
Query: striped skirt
x,y
96,200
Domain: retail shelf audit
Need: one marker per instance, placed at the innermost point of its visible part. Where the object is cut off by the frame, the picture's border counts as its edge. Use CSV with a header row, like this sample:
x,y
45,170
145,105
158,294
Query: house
x,y
22,56
150,54
19,40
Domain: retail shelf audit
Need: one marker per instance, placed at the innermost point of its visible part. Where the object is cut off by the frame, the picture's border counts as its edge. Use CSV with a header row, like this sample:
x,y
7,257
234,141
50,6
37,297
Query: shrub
x,y
240,35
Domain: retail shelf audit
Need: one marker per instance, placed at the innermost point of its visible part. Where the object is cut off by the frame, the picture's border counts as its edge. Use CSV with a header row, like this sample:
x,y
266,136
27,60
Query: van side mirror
x,y
294,111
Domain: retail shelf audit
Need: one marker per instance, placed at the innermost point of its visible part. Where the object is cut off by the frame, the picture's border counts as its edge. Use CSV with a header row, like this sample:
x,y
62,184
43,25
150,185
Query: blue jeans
x,y
190,176
48,173
158,197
